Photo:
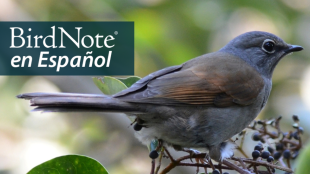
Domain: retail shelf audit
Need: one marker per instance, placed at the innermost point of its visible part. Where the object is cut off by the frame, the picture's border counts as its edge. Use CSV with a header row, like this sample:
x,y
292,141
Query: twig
x,y
203,165
285,140
159,159
169,155
153,166
242,152
168,168
242,163
233,166
178,162
263,163
269,170
282,163
255,169
277,125
206,170
288,163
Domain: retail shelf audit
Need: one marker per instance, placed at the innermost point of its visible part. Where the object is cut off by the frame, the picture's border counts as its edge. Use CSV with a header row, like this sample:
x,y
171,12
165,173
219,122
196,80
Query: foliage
x,y
69,164
303,161
109,85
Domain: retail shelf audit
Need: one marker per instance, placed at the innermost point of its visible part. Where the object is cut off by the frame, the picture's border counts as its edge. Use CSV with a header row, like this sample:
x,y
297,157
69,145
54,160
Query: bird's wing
x,y
145,80
215,79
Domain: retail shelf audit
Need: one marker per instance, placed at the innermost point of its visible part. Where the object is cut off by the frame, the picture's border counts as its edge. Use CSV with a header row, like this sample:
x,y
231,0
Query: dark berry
x,y
137,127
215,172
258,147
273,170
270,159
277,155
255,154
296,135
279,146
295,118
153,154
286,154
225,173
256,136
270,149
265,154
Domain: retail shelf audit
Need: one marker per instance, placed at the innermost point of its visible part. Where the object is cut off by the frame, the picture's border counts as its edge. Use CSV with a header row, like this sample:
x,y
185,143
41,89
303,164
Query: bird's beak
x,y
293,48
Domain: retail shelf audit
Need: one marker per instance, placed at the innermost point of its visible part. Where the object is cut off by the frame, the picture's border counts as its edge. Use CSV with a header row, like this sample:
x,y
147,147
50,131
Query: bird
x,y
201,103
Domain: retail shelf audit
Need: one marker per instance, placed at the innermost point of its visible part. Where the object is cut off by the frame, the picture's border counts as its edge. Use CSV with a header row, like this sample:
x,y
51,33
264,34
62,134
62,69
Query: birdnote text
x,y
58,62
67,48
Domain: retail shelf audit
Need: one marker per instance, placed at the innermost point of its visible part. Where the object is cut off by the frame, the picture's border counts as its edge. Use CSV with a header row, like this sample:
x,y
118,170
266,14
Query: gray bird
x,y
199,104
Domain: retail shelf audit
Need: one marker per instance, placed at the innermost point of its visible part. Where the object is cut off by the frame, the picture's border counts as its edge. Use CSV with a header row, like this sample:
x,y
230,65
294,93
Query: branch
x,y
263,163
235,167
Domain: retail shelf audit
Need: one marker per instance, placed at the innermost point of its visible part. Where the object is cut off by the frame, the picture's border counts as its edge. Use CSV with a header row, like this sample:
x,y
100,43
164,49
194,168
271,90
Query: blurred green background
x,y
167,32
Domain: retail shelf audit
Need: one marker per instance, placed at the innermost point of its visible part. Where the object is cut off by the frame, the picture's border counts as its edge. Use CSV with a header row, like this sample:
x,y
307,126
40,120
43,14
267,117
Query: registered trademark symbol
x,y
115,32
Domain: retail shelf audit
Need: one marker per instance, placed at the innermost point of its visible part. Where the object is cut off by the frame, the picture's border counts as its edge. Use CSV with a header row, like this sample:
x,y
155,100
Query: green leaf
x,y
69,164
129,80
303,161
109,85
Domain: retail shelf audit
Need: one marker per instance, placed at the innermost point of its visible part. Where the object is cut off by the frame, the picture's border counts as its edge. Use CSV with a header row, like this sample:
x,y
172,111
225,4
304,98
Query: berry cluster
x,y
287,144
258,152
267,155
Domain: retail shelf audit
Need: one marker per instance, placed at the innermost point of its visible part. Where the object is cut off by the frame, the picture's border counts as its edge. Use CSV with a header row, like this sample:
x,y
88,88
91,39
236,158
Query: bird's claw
x,y
192,153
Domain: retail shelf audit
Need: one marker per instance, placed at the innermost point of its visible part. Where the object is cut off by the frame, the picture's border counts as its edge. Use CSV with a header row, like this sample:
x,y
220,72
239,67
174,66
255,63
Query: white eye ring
x,y
263,46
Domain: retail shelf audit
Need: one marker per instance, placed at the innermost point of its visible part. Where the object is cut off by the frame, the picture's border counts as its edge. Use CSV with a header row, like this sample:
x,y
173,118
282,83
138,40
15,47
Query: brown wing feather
x,y
144,81
222,81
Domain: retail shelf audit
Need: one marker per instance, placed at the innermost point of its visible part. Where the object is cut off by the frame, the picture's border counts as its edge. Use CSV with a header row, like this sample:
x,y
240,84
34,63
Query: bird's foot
x,y
192,152
208,159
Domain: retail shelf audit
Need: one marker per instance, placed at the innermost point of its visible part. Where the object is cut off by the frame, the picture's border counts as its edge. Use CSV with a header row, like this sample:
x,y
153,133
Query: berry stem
x,y
159,160
264,163
288,163
235,167
153,166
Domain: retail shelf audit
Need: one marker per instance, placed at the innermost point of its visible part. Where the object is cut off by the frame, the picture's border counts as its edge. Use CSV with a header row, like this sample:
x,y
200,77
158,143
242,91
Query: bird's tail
x,y
71,102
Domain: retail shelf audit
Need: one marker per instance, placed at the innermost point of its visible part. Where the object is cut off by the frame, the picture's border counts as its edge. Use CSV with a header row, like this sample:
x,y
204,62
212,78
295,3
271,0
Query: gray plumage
x,y
199,104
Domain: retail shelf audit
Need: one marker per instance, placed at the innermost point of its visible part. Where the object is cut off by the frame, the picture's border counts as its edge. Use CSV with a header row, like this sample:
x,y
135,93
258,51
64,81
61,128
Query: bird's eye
x,y
268,46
